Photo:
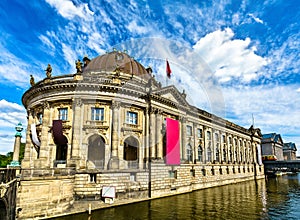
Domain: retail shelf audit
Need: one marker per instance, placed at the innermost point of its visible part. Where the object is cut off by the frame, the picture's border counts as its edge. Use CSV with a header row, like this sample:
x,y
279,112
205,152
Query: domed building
x,y
113,125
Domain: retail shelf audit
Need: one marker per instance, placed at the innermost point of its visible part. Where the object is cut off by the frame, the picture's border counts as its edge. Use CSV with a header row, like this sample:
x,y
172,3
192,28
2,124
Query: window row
x,y
227,155
97,114
189,132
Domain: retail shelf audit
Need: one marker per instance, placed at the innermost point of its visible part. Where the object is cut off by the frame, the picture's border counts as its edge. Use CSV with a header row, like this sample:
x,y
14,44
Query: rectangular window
x,y
208,134
131,118
97,114
223,138
217,137
189,130
63,114
199,133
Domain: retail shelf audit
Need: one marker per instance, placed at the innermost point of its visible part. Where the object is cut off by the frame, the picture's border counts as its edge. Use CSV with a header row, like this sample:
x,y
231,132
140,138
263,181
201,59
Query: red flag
x,y
168,70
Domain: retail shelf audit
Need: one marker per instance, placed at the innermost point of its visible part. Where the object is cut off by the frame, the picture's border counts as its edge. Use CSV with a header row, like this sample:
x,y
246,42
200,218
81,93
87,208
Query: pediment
x,y
171,93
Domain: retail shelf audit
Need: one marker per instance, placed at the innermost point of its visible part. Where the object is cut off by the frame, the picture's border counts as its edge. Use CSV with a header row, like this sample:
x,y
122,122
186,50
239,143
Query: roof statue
x,y
86,60
48,71
32,80
78,66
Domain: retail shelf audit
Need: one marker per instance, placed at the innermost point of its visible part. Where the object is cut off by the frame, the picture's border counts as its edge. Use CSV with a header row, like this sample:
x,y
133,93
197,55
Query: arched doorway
x,y
131,145
61,151
3,210
96,150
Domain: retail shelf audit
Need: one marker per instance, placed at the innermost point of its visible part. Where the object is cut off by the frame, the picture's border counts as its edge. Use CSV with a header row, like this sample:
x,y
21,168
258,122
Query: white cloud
x,y
13,70
70,56
46,41
135,28
67,9
271,106
256,19
230,58
4,105
285,57
95,41
10,115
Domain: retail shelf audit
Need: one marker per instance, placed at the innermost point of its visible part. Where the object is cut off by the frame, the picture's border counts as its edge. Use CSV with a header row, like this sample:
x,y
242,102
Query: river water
x,y
276,198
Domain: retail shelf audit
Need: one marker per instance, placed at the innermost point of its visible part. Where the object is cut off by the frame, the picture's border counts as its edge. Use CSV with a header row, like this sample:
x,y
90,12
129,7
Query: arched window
x,y
96,150
209,154
130,152
217,154
224,155
131,145
200,154
189,152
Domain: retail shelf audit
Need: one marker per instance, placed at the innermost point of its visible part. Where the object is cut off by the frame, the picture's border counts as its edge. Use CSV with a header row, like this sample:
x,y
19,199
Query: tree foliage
x,y
6,159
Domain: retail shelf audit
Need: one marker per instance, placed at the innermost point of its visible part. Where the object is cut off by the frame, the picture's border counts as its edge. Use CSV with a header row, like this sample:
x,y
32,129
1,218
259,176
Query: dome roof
x,y
114,61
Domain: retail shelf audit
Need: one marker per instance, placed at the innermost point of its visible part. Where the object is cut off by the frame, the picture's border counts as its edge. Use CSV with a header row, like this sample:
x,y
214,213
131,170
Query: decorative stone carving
x,y
115,105
46,105
78,102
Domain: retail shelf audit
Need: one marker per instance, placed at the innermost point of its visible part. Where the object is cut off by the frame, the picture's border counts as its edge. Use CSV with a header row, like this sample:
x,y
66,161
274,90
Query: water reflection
x,y
276,199
284,197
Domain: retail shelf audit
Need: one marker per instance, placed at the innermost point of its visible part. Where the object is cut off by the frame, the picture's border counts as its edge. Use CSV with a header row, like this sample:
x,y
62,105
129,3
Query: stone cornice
x,y
131,86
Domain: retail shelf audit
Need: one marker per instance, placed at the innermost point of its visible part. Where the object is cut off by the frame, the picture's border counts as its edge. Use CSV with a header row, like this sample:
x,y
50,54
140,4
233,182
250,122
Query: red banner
x,y
168,70
173,143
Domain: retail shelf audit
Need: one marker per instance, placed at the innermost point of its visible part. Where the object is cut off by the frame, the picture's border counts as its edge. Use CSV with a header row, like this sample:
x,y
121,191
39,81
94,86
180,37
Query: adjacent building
x,y
272,145
289,151
105,126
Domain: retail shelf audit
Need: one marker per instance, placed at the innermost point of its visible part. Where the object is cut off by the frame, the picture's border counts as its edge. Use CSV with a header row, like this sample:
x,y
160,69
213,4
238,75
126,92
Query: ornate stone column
x,y
44,148
213,145
195,154
183,138
152,133
114,160
76,132
146,148
27,153
159,135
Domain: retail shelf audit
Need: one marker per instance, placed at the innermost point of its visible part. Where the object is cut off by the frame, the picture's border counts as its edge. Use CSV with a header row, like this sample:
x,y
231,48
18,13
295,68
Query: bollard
x,y
90,208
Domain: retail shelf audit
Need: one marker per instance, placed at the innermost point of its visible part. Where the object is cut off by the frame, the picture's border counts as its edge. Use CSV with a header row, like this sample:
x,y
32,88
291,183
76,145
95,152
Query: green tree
x,y
6,159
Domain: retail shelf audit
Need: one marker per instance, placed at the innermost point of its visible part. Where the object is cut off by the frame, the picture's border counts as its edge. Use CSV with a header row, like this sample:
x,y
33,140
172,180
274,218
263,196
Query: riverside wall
x,y
55,192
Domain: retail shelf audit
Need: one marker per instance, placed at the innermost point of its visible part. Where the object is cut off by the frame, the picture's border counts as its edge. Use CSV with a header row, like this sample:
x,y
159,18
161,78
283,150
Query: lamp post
x,y
18,135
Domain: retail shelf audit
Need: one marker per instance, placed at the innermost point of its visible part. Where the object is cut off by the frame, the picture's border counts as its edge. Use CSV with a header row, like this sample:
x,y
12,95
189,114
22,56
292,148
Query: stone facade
x,y
289,151
272,144
105,126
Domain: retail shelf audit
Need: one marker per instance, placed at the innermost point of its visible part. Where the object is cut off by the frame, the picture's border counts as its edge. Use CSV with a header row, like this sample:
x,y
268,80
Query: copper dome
x,y
116,60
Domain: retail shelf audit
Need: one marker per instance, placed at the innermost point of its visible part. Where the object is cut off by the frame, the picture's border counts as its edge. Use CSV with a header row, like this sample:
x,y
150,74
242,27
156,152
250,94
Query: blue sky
x,y
233,58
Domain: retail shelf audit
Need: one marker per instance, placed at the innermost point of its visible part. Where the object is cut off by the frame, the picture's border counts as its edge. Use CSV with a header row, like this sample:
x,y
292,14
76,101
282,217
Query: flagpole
x,y
166,80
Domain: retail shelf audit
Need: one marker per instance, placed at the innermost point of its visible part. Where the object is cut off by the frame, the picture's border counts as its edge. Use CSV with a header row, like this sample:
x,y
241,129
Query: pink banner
x,y
173,143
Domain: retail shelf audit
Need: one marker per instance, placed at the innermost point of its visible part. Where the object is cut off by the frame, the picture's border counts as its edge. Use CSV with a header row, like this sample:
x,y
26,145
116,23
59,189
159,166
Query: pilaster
x,y
114,160
76,132
159,137
26,161
152,132
44,152
183,138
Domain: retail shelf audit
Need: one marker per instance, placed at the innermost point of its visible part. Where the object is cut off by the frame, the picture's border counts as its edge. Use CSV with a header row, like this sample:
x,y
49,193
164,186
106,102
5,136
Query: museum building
x,y
107,125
